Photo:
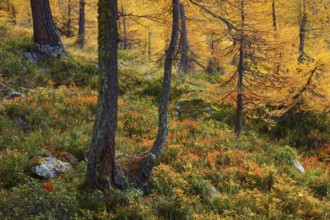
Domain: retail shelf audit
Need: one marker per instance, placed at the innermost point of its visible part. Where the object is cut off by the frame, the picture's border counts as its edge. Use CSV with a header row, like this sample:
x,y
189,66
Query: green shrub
x,y
303,129
31,200
13,168
285,155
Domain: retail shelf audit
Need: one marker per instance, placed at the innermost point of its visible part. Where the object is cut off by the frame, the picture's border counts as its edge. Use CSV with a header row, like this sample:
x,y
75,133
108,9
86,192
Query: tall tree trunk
x,y
68,28
139,170
81,30
102,171
240,85
239,101
165,96
302,31
45,34
184,62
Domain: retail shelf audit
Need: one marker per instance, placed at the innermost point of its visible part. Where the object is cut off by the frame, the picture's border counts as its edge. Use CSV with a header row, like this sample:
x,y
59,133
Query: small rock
x,y
12,95
19,122
50,167
298,166
31,56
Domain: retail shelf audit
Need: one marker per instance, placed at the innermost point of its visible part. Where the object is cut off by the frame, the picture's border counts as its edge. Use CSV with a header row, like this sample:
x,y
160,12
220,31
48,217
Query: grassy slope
x,y
205,172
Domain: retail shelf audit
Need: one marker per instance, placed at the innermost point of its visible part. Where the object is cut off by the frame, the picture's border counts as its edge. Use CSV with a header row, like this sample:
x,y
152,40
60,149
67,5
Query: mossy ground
x,y
204,172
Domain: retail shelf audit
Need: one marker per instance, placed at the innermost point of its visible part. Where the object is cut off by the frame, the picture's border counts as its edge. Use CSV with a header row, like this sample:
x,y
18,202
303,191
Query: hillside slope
x,y
205,172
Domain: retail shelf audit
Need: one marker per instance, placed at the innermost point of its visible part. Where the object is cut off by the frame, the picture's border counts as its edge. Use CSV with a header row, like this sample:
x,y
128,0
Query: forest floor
x,y
204,172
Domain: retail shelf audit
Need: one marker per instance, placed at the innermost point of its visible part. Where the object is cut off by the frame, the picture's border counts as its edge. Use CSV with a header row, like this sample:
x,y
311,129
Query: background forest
x,y
248,116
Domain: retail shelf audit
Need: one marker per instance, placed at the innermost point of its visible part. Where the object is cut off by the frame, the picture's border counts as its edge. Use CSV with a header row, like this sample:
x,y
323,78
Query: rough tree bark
x,y
184,61
239,101
240,70
102,170
139,169
81,30
45,35
165,96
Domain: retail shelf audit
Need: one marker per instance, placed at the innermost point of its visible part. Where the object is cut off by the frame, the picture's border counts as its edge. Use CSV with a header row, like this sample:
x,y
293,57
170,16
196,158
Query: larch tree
x,y
45,35
246,28
102,170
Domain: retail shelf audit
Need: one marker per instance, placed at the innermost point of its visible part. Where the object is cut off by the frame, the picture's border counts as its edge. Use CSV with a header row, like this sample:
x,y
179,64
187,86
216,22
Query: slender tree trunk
x,y
212,64
149,44
240,85
69,32
274,16
102,171
139,170
165,96
45,34
184,62
239,101
302,32
278,67
81,30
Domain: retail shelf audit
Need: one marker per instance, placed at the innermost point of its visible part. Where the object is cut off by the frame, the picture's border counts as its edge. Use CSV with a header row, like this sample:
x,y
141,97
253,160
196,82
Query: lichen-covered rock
x,y
50,167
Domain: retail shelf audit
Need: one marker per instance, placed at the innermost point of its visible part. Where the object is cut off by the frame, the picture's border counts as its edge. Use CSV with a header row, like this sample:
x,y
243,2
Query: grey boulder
x,y
50,167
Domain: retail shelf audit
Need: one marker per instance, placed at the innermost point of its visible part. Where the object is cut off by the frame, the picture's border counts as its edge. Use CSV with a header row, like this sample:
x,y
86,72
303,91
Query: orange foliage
x,y
48,186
